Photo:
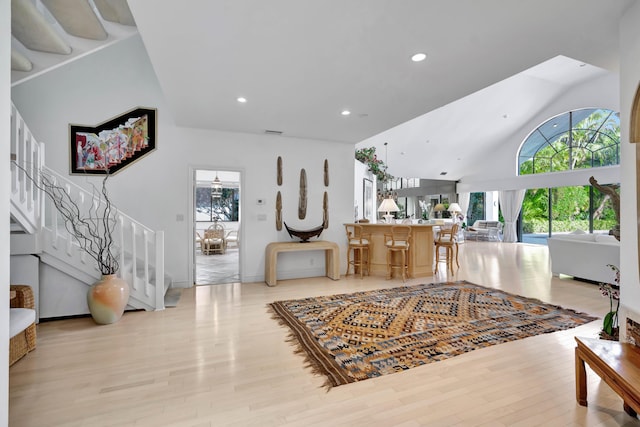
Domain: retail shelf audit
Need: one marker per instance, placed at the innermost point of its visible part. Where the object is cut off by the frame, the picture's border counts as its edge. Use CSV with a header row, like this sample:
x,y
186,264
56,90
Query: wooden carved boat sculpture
x,y
304,235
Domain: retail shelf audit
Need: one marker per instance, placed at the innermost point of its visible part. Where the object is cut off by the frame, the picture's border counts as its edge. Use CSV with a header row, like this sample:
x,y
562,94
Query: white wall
x,y
629,78
5,113
156,190
498,170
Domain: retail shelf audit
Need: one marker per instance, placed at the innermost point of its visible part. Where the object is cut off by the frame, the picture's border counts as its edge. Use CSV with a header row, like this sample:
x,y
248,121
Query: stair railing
x,y
26,199
140,249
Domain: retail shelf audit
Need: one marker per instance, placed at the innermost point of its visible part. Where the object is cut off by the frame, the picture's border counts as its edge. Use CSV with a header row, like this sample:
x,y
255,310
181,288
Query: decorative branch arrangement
x,y
93,230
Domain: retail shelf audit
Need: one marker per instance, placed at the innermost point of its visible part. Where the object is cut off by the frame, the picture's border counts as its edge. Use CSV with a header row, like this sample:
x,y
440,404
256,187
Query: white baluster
x,y
159,251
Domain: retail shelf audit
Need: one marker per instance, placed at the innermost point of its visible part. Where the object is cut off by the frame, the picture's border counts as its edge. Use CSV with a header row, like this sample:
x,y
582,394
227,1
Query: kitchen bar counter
x,y
420,253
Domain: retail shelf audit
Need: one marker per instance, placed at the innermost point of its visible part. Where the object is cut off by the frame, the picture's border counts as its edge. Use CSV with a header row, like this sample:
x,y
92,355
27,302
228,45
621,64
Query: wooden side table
x,y
618,364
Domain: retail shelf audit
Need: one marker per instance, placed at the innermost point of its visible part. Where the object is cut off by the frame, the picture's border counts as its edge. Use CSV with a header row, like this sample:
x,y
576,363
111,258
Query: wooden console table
x,y
618,364
332,257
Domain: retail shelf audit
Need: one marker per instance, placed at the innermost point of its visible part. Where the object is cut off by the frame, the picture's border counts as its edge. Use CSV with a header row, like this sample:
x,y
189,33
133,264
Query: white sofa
x,y
584,256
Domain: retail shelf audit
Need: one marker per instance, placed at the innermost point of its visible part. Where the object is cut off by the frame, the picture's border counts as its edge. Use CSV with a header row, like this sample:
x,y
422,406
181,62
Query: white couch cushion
x,y
20,319
575,237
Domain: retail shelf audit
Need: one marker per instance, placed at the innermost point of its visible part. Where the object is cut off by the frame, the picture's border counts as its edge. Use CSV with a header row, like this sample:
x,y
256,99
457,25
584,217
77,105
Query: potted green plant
x,y
376,166
610,329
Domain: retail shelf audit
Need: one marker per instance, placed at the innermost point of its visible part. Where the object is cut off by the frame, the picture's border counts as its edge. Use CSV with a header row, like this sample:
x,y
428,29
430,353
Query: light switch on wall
x,y
262,217
180,217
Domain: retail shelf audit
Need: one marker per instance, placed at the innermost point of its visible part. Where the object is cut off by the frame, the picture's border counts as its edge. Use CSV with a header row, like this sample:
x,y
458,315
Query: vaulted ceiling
x,y
300,63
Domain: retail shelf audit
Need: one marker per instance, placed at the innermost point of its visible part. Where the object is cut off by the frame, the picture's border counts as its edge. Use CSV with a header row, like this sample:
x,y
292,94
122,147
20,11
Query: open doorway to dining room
x,y
216,226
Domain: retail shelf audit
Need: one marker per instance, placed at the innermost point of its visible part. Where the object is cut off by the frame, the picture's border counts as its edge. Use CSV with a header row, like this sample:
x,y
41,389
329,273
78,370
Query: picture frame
x,y
114,144
367,199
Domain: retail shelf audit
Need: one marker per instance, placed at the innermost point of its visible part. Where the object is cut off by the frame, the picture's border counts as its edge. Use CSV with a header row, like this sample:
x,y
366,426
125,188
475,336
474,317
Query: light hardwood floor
x,y
218,359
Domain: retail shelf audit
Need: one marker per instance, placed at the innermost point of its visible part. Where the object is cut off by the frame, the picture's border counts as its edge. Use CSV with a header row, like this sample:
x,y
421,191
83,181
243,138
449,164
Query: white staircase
x,y
140,249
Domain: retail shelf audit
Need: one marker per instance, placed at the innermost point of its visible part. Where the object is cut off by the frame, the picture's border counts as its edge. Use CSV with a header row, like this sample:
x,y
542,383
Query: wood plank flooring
x,y
218,359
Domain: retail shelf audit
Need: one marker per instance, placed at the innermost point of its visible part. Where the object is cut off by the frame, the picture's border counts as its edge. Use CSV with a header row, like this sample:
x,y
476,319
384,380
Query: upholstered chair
x,y
359,249
448,240
22,322
398,243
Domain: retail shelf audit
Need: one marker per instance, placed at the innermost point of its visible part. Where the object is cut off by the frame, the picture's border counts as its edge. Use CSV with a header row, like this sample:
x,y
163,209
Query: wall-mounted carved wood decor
x,y
326,172
279,211
325,211
302,201
279,169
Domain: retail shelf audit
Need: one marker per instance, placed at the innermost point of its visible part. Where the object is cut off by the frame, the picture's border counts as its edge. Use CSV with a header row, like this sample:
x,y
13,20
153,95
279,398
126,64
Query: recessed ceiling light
x,y
345,112
241,99
419,57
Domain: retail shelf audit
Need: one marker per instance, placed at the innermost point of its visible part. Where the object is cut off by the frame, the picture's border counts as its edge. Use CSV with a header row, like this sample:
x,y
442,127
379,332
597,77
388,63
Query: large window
x,y
223,208
476,207
547,211
580,139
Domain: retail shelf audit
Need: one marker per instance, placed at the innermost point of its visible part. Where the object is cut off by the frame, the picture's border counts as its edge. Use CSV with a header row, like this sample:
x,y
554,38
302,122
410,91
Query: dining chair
x,y
232,237
448,239
360,247
213,240
398,243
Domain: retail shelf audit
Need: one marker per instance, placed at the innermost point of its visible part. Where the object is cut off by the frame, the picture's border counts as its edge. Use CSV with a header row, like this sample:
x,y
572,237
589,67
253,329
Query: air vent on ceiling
x,y
273,132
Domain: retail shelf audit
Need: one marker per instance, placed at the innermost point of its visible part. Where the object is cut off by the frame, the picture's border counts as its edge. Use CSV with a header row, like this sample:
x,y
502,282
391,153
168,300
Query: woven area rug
x,y
353,337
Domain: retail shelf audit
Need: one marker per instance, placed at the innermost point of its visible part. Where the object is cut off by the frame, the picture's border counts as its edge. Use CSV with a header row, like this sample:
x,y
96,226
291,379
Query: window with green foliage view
x,y
579,139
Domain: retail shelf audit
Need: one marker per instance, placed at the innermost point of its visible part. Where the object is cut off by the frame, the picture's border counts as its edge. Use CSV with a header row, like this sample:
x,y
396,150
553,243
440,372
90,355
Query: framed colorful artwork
x,y
114,144
367,199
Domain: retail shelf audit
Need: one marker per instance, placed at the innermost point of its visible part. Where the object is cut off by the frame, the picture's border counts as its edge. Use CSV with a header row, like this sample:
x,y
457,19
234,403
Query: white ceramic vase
x,y
107,299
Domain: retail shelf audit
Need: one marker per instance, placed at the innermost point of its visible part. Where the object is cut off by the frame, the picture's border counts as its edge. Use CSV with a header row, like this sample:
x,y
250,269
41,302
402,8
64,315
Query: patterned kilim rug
x,y
353,337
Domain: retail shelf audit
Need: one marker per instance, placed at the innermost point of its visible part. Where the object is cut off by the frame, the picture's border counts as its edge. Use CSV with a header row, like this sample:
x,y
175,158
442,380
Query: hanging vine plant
x,y
376,166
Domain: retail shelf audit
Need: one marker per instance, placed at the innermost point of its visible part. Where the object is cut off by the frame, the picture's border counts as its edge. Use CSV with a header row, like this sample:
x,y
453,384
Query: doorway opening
x,y
216,226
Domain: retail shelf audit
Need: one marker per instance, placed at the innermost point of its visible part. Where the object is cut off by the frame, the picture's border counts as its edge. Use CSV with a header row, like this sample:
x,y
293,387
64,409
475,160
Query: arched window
x,y
580,139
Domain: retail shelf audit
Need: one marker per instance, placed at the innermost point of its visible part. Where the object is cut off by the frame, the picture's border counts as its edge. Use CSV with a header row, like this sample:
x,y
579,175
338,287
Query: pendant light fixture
x,y
216,187
386,192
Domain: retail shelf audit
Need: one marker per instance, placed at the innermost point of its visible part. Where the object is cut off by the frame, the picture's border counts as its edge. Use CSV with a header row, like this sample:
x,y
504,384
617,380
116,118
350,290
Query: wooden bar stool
x,y
398,243
358,245
447,239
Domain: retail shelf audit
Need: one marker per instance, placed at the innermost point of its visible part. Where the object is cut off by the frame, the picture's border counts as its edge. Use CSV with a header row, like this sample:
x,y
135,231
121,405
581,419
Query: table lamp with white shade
x,y
388,205
455,209
438,210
